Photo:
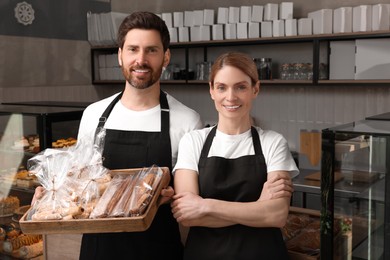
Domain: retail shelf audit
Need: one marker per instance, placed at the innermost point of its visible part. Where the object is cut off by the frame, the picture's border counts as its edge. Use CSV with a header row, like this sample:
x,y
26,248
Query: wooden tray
x,y
100,225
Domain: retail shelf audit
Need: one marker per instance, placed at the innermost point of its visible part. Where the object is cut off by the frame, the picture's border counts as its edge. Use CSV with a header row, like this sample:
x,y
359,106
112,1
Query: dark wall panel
x,y
59,19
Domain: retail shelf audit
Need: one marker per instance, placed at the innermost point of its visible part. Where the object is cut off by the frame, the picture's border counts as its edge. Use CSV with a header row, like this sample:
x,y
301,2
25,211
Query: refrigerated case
x,y
358,154
25,130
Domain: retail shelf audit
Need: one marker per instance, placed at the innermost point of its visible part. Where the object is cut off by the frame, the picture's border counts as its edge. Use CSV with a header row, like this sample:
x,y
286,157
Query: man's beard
x,y
143,83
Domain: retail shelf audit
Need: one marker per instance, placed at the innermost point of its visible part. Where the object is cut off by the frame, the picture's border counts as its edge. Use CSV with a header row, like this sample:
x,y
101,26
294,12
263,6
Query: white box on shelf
x,y
253,30
195,33
230,31
188,18
342,60
118,73
234,14
305,26
184,35
257,13
380,17
266,29
286,10
322,21
178,19
208,17
242,30
205,33
102,61
198,17
111,60
245,14
167,17
173,34
278,28
103,73
291,27
110,73
271,12
223,15
361,18
217,32
342,20
372,59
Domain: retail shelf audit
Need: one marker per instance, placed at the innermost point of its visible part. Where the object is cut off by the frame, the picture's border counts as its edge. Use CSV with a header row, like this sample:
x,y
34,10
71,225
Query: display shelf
x,y
45,118
209,46
49,103
355,81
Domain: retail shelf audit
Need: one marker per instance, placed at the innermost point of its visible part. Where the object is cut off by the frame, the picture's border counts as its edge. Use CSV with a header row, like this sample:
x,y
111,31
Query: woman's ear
x,y
211,90
256,88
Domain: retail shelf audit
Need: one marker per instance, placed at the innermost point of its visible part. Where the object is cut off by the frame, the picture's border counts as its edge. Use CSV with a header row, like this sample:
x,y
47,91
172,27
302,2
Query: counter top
x,y
37,110
49,103
343,188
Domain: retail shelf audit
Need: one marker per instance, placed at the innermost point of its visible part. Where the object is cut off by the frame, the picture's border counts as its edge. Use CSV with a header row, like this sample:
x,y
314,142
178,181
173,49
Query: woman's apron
x,y
239,180
137,149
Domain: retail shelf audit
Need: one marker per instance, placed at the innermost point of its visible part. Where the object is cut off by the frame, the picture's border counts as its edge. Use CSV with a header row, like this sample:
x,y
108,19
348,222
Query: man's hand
x,y
39,191
166,195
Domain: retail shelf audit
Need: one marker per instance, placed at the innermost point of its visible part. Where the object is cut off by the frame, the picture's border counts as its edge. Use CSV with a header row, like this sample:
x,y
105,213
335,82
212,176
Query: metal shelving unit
x,y
315,40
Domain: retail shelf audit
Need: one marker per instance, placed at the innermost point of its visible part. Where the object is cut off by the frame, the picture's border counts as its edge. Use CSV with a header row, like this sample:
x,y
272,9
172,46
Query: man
x,y
143,127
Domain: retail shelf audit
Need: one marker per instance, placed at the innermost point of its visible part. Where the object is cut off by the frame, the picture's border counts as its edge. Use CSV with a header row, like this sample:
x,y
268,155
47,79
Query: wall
x,y
57,69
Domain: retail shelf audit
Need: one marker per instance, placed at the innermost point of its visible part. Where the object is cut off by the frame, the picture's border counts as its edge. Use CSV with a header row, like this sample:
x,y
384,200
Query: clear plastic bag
x,y
73,179
128,195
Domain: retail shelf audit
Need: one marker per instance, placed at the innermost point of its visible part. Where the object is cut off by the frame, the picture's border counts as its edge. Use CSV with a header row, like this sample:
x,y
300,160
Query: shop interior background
x,y
50,59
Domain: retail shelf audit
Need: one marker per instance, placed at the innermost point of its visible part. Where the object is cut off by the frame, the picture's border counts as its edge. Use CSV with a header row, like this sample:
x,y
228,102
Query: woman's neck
x,y
233,126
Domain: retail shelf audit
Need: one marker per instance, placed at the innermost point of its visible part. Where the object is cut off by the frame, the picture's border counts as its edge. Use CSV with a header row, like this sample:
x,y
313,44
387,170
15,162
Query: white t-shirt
x,y
274,146
182,120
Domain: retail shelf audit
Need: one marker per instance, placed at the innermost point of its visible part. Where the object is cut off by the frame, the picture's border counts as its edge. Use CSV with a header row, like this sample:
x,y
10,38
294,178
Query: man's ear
x,y
167,57
120,57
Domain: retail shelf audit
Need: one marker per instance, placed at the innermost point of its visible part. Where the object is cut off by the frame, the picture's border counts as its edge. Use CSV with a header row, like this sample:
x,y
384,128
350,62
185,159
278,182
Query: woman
x,y
233,181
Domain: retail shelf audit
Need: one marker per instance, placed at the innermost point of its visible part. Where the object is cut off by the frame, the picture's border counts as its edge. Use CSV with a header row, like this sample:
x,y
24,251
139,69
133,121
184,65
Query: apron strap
x,y
207,144
107,112
164,114
256,141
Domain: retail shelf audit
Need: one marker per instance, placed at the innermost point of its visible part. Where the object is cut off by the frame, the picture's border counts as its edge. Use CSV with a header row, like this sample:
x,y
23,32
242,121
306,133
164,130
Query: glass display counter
x,y
25,130
354,177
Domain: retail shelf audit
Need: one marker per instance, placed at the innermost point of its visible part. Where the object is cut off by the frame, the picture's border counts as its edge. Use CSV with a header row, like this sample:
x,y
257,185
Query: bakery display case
x,y
25,130
354,177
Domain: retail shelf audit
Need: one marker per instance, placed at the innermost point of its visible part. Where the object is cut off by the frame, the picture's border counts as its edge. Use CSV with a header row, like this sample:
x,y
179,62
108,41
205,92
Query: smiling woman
x,y
233,86
233,180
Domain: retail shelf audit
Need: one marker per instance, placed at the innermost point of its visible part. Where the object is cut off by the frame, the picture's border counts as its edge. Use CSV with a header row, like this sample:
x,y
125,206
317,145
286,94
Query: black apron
x,y
136,149
239,180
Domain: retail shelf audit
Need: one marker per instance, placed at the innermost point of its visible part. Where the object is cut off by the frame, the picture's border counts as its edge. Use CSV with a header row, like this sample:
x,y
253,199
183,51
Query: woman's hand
x,y
38,194
278,185
187,206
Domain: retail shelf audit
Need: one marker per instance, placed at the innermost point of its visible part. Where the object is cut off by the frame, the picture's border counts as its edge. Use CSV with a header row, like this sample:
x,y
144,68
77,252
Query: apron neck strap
x,y
210,137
